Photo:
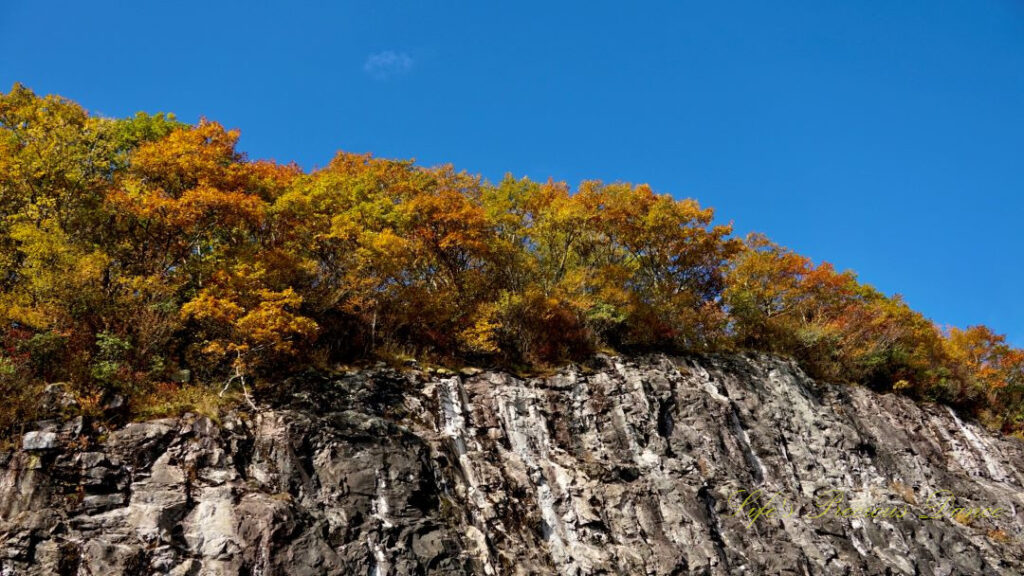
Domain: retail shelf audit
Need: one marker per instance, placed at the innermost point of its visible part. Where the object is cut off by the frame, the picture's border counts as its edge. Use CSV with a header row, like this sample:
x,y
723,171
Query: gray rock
x,y
655,465
58,395
115,403
39,441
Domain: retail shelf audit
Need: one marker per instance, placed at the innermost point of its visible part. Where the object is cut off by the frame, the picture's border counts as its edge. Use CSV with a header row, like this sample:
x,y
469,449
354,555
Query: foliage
x,y
133,249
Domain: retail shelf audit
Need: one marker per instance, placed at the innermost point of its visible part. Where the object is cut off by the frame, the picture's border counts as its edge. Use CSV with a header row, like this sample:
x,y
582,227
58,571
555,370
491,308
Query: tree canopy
x,y
134,249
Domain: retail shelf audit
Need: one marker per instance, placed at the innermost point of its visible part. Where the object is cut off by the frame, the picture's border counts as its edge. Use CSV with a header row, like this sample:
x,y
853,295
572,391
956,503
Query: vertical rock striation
x,y
651,465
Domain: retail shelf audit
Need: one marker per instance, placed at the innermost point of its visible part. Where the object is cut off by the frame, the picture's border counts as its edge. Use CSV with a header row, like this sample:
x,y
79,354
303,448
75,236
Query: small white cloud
x,y
384,65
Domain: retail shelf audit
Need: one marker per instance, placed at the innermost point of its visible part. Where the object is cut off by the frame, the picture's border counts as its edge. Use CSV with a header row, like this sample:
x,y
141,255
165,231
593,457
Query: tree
x,y
240,322
130,248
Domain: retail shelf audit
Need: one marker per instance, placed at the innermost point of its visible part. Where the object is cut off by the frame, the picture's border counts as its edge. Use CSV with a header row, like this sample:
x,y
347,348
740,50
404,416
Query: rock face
x,y
655,465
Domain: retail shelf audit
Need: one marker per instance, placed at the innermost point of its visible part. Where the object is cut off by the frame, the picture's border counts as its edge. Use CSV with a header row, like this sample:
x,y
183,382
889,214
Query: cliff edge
x,y
648,465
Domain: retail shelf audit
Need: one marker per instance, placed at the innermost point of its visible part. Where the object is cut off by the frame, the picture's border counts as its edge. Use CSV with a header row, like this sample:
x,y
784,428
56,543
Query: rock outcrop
x,y
654,465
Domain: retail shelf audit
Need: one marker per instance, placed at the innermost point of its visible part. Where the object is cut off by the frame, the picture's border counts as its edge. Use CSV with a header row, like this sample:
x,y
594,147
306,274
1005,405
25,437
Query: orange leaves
x,y
450,231
668,243
993,370
189,157
238,315
841,329
989,361
274,326
164,237
189,197
212,207
268,179
199,207
837,327
209,308
447,221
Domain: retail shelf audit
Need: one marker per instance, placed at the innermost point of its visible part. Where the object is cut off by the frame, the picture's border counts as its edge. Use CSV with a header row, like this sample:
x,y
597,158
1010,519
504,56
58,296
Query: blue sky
x,y
886,137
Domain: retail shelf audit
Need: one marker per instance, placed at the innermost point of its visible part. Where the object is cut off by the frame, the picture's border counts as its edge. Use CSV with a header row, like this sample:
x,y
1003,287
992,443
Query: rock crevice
x,y
648,465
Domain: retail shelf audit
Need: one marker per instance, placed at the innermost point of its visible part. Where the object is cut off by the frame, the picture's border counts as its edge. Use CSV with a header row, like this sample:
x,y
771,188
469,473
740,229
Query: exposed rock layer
x,y
631,466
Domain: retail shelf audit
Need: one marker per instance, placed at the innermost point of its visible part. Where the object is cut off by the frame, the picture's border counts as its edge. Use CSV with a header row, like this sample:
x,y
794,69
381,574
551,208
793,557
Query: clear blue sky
x,y
886,137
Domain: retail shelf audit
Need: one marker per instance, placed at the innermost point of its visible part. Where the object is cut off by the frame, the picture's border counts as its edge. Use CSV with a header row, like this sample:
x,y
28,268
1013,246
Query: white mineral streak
x,y
622,466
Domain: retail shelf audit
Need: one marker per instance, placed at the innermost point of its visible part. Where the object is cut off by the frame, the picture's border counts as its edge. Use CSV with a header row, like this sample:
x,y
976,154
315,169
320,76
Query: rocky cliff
x,y
656,465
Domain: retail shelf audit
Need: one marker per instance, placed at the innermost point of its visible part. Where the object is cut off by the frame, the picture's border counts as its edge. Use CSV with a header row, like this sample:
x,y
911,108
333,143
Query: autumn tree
x,y
133,251
56,165
840,329
543,305
242,325
669,259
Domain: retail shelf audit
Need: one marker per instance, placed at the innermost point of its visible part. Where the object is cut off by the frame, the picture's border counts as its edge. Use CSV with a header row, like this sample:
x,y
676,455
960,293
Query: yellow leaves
x,y
222,348
221,208
164,235
481,336
55,159
54,272
188,157
766,280
272,326
240,316
989,362
25,313
269,179
206,307
189,199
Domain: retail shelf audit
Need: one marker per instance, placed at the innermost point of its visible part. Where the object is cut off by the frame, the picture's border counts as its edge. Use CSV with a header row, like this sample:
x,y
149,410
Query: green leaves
x,y
133,248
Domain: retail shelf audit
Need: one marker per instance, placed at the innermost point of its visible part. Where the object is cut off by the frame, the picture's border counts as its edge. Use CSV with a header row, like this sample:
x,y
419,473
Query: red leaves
x,y
165,237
